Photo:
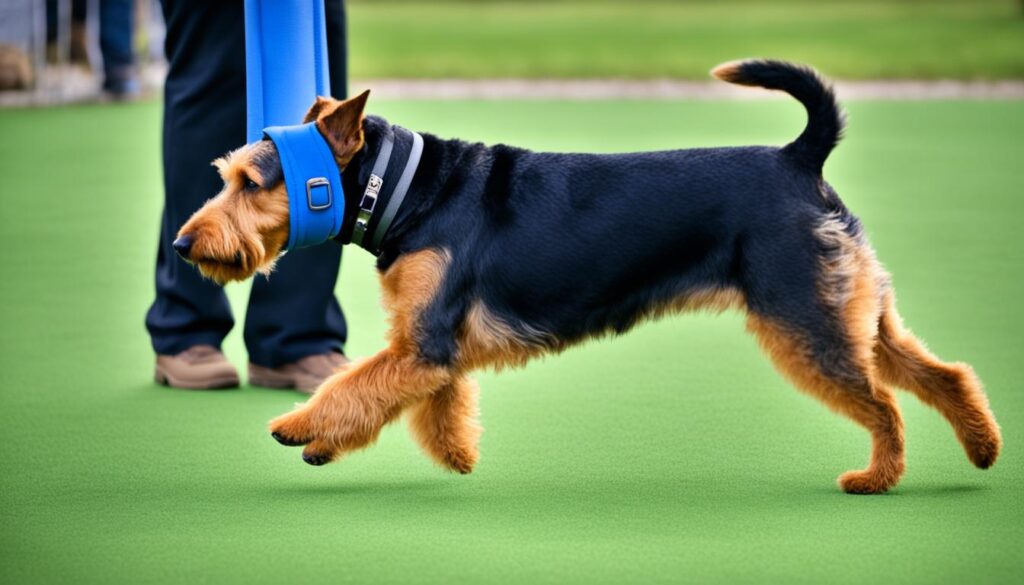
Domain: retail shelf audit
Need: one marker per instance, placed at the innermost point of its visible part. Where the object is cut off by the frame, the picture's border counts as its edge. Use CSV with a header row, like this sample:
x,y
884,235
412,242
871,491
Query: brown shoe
x,y
304,375
200,367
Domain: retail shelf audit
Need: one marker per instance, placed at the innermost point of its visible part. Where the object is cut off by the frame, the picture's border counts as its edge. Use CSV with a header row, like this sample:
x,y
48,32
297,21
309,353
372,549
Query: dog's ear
x,y
341,123
317,107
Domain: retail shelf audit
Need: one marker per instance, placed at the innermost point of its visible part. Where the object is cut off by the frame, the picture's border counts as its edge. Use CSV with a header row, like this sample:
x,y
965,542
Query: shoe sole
x,y
223,383
267,378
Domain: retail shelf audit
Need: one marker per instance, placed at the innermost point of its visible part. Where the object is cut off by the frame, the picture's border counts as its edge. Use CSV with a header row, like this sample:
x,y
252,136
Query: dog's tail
x,y
825,119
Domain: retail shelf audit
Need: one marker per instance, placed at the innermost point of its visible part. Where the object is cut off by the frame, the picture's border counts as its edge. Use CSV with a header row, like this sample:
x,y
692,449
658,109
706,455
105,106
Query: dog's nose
x,y
183,246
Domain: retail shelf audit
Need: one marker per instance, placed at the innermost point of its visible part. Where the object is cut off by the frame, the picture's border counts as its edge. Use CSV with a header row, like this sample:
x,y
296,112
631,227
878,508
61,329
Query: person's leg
x,y
204,117
293,313
116,26
337,46
79,32
51,21
78,49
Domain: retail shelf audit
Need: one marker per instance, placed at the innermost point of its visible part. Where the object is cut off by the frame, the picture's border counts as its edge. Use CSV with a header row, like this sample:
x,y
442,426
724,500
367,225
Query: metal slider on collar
x,y
366,205
373,187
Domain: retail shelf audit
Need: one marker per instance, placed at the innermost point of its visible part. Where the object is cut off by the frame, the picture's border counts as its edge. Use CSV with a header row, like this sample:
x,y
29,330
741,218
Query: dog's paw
x,y
292,429
302,427
319,452
863,482
982,447
455,449
460,460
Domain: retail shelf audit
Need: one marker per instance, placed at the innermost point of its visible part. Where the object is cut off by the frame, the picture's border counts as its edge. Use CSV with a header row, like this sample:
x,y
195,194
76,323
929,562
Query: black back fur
x,y
562,246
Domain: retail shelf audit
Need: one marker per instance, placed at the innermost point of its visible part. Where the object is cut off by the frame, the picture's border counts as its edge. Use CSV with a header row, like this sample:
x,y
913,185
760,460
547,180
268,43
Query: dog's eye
x,y
251,186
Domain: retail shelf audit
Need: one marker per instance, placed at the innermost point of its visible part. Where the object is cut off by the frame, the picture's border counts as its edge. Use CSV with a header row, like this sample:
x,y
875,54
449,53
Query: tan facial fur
x,y
243,229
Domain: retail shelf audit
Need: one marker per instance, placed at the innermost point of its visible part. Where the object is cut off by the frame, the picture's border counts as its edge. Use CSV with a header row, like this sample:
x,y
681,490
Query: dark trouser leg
x,y
294,313
116,25
337,47
204,117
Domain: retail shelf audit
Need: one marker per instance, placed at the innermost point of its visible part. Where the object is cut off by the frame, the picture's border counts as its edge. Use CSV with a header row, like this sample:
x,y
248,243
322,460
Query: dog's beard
x,y
269,265
221,271
231,263
242,267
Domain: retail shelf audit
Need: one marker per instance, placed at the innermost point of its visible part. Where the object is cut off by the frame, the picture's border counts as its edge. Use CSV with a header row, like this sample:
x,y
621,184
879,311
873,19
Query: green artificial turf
x,y
657,38
672,454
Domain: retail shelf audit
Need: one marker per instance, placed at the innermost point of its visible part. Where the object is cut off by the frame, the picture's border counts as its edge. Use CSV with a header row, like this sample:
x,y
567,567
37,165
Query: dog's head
x,y
243,229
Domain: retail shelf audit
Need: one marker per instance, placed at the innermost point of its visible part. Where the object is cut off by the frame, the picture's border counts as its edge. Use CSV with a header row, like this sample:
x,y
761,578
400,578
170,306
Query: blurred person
x,y
294,328
116,32
117,19
15,68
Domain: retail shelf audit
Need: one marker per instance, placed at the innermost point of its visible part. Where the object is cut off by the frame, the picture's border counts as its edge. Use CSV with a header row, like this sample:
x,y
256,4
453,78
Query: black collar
x,y
385,186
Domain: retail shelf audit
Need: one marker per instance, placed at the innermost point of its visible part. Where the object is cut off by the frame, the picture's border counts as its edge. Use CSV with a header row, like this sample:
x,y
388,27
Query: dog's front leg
x,y
445,424
350,408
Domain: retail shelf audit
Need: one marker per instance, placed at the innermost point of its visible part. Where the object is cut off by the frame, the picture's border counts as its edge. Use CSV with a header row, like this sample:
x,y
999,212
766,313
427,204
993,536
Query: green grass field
x,y
851,39
673,454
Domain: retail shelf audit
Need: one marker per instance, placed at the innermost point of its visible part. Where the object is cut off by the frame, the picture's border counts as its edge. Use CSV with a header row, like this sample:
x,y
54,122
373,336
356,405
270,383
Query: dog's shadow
x,y
922,491
931,490
443,489
408,489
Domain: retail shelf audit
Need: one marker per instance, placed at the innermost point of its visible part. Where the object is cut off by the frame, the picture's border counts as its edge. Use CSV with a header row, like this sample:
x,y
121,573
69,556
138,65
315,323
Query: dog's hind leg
x,y
821,332
952,389
445,424
853,392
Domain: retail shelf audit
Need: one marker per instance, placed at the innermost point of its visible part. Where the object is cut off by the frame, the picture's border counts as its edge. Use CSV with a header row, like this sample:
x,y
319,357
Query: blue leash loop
x,y
286,69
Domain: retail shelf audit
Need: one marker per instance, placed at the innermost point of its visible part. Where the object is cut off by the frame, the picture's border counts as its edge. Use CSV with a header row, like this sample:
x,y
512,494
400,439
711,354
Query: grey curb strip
x,y
666,89
71,85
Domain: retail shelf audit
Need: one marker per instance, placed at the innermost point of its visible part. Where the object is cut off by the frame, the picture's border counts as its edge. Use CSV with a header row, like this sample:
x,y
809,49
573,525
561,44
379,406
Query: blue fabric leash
x,y
286,69
285,62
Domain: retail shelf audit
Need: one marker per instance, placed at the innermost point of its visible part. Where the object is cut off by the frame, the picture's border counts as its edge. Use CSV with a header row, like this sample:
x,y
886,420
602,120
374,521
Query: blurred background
x,y
671,454
56,49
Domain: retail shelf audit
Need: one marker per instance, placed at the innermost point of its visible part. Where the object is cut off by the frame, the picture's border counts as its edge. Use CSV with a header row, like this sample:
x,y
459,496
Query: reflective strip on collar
x,y
391,210
380,185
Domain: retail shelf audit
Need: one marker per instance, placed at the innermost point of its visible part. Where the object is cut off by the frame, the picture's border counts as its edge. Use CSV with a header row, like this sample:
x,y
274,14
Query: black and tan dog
x,y
500,254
